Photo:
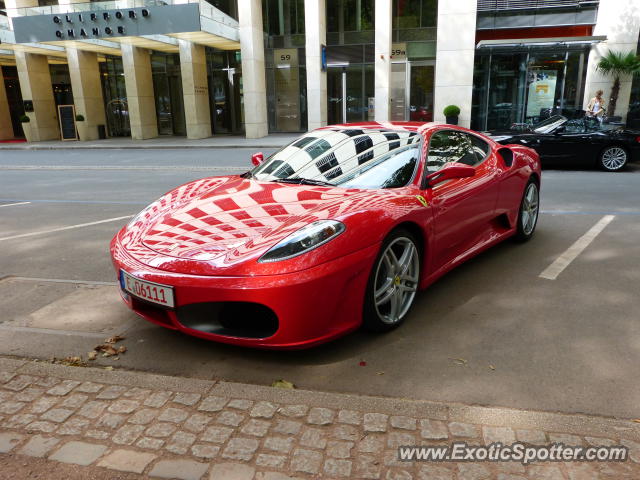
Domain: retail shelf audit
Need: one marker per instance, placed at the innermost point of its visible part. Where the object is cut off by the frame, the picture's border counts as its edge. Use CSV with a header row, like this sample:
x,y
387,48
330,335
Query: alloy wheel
x,y
614,158
396,280
530,207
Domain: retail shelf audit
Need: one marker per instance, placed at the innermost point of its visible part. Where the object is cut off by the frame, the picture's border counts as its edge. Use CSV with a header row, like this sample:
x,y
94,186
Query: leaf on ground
x,y
122,349
380,373
72,361
492,367
108,368
107,350
114,339
459,361
92,355
363,363
637,420
283,384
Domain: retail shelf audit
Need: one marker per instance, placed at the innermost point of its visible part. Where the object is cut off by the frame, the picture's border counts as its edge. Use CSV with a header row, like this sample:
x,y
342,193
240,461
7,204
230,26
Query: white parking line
x,y
14,204
563,261
71,227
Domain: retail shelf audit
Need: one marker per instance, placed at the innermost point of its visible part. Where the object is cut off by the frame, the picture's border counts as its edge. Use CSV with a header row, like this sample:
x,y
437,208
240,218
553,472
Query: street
x,y
492,332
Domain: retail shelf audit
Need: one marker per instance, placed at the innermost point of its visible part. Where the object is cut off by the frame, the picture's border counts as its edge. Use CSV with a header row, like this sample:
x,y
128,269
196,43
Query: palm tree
x,y
618,64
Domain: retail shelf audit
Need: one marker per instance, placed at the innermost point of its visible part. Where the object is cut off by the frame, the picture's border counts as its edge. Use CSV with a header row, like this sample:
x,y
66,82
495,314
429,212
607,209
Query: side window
x,y
480,148
449,146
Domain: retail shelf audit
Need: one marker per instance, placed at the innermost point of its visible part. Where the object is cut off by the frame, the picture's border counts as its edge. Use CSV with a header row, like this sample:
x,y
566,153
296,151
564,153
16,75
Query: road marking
x,y
15,204
564,260
58,280
61,229
49,331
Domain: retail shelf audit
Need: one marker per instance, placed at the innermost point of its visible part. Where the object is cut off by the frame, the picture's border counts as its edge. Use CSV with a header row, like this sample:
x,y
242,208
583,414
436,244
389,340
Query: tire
x,y
529,211
396,290
613,158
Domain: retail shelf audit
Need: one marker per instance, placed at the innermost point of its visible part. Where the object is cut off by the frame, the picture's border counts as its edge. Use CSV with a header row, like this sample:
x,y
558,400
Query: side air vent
x,y
507,156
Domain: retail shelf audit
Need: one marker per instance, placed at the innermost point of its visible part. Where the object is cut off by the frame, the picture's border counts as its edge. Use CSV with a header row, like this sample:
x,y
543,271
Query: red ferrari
x,y
335,231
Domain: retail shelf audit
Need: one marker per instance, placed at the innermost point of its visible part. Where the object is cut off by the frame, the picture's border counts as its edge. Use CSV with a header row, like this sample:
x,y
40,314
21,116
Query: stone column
x,y
382,65
253,71
455,52
87,91
195,89
138,81
6,127
35,85
619,20
315,23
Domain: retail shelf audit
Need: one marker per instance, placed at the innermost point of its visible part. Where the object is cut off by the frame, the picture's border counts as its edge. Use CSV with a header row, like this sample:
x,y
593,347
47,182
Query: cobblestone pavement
x,y
169,427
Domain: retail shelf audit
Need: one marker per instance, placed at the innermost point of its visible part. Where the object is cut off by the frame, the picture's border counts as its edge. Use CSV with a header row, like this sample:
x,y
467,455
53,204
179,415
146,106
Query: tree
x,y
618,64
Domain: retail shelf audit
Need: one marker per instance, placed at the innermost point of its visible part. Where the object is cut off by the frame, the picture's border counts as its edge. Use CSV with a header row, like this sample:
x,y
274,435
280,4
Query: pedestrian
x,y
596,106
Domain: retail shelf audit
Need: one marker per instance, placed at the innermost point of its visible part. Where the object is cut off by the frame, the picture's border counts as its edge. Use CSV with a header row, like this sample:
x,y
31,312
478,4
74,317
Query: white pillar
x,y
315,23
35,85
619,20
382,49
84,71
253,72
455,52
195,89
138,81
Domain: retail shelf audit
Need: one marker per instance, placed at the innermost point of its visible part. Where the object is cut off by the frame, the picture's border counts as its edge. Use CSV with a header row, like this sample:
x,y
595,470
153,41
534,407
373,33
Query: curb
x,y
589,425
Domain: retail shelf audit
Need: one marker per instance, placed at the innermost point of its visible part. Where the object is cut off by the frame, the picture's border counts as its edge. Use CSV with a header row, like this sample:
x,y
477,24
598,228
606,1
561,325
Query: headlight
x,y
307,238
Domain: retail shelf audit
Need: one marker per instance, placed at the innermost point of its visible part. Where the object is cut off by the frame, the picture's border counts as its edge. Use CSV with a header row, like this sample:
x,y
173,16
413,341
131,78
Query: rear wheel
x,y
613,158
529,209
393,282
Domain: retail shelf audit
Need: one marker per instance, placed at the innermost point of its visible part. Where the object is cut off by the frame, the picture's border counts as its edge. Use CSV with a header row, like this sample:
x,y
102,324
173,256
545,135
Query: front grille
x,y
231,319
154,313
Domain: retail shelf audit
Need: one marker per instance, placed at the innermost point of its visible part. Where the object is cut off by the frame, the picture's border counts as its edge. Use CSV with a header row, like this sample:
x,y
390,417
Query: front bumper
x,y
312,306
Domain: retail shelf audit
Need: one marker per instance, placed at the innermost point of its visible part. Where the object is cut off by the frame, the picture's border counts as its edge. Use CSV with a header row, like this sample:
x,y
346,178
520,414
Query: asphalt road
x,y
493,332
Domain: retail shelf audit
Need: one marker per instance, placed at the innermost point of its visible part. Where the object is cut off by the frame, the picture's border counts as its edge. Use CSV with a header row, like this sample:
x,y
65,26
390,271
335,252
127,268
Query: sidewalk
x,y
72,422
276,140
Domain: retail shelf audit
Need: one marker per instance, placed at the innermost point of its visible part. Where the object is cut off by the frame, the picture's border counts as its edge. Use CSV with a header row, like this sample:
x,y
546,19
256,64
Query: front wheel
x,y
613,159
393,282
529,209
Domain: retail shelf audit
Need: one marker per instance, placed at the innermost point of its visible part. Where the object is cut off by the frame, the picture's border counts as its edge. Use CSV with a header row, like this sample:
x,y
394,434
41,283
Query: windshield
x,y
550,124
347,158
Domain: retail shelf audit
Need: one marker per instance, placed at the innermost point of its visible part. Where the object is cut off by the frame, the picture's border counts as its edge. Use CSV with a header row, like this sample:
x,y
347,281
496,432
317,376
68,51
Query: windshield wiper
x,y
304,181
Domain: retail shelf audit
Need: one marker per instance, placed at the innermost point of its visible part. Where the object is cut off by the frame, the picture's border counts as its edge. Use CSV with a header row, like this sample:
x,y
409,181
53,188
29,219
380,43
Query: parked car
x,y
582,142
337,230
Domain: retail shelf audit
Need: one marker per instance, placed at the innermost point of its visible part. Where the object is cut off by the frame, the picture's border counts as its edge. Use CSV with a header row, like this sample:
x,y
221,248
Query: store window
x,y
414,20
350,21
527,86
61,84
115,97
633,116
285,65
224,71
14,98
167,88
230,7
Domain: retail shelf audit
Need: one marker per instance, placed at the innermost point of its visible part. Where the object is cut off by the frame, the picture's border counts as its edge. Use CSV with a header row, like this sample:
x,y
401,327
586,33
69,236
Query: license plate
x,y
149,291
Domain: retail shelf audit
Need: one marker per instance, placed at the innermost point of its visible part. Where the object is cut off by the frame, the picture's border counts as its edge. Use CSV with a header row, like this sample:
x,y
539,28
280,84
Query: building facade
x,y
200,68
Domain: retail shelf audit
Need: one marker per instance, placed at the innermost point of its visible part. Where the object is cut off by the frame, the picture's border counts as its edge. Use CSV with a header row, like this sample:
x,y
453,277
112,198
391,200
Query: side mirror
x,y
449,172
257,158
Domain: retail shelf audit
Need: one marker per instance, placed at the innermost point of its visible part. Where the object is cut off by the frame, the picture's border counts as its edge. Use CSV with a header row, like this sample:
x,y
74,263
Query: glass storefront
x,y
167,89
115,97
61,84
14,98
224,71
527,85
285,65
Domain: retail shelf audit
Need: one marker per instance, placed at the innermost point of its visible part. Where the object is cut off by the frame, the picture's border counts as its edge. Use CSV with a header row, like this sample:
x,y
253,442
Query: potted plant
x,y
26,128
451,113
83,129
618,64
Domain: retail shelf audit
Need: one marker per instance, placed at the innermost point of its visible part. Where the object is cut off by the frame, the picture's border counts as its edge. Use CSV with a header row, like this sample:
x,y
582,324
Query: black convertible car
x,y
583,142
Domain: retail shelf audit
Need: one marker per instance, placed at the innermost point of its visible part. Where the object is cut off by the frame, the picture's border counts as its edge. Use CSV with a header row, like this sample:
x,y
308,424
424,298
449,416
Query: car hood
x,y
216,225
